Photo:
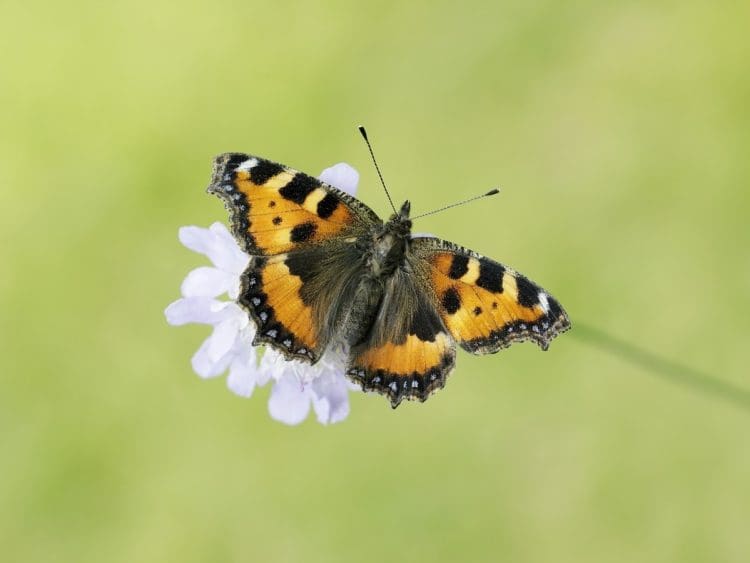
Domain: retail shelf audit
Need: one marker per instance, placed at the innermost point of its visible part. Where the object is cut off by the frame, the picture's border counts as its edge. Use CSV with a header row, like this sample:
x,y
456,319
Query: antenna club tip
x,y
493,192
362,131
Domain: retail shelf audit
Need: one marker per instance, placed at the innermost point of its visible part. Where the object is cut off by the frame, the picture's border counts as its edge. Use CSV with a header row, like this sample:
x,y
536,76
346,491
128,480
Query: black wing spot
x,y
299,188
459,266
304,265
477,311
490,276
264,171
528,292
276,220
555,310
271,203
451,300
234,160
303,232
425,324
327,206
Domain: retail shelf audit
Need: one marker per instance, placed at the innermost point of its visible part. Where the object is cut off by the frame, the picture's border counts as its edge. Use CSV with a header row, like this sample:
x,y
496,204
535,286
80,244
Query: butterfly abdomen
x,y
356,322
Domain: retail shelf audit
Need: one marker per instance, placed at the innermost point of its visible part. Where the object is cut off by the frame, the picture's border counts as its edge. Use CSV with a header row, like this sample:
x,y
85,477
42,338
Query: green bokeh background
x,y
620,133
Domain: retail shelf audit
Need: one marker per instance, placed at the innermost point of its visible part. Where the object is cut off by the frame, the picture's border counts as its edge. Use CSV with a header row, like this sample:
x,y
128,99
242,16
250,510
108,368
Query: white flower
x,y
297,385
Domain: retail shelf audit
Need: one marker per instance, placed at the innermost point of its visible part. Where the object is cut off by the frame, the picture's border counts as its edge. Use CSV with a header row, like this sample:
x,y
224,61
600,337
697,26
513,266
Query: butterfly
x,y
326,271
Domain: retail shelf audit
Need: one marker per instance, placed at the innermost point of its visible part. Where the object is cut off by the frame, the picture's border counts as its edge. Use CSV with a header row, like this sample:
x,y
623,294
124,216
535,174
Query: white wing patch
x,y
248,164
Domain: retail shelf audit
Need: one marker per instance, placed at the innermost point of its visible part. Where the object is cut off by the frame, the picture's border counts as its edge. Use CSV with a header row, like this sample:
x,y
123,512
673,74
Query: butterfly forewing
x,y
275,209
484,305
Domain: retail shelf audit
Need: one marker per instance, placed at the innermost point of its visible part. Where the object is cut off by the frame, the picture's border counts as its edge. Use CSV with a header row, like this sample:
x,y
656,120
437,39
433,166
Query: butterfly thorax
x,y
384,251
389,244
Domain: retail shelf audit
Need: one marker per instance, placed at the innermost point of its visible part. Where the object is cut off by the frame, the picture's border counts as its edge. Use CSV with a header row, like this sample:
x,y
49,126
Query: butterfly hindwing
x,y
407,353
484,305
271,293
298,298
275,209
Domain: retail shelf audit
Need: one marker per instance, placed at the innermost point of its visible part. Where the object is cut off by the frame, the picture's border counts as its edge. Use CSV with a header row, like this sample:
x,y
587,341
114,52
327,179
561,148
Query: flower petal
x,y
204,310
289,403
197,239
206,366
223,339
192,310
242,372
272,365
207,282
233,291
217,243
330,398
341,176
231,256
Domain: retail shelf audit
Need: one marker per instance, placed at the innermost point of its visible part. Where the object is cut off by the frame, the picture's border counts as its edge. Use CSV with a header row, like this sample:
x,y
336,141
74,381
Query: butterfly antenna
x,y
489,193
375,162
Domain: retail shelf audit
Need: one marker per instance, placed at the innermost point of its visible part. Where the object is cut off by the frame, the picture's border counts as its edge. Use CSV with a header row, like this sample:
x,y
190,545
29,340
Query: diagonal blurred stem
x,y
662,367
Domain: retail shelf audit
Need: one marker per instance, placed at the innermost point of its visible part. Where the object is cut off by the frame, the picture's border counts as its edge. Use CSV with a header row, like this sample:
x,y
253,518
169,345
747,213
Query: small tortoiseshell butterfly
x,y
326,270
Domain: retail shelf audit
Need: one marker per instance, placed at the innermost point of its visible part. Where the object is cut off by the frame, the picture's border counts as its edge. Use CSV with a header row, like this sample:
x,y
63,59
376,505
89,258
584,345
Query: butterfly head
x,y
399,223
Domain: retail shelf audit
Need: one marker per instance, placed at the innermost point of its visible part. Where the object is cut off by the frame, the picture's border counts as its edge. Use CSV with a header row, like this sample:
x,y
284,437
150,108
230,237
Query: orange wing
x,y
484,305
275,209
272,294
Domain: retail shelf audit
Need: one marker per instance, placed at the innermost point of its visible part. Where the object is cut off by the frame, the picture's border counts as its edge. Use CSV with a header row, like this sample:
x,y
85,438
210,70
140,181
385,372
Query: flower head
x,y
297,386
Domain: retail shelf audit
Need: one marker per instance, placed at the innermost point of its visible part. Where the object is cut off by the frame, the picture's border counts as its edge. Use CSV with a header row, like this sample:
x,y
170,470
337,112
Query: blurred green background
x,y
620,133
